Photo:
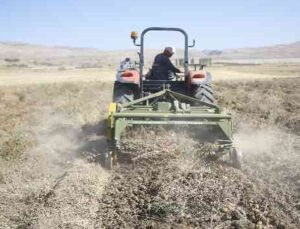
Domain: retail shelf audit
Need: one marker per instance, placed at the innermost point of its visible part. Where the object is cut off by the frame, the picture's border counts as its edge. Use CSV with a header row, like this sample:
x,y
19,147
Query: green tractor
x,y
187,101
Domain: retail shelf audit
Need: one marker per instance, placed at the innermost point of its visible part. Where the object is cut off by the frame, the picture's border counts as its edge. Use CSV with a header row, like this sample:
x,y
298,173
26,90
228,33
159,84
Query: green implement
x,y
168,108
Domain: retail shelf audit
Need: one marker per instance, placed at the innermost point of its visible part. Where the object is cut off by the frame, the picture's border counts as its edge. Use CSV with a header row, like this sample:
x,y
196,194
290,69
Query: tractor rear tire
x,y
204,93
123,93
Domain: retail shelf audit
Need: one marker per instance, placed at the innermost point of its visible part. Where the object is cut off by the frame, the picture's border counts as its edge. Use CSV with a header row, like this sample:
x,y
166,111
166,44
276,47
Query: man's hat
x,y
171,50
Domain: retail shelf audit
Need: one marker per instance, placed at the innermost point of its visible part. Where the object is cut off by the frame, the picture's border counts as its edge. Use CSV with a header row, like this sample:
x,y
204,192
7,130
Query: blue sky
x,y
107,24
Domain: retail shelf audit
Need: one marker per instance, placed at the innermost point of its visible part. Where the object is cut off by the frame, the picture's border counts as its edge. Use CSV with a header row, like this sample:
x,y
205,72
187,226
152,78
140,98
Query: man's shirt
x,y
162,67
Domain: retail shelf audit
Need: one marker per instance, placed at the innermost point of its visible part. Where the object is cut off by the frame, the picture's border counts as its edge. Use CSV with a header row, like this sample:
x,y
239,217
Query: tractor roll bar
x,y
141,54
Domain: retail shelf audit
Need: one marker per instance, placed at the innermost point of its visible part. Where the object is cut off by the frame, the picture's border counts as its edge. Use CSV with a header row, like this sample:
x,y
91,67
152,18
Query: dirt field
x,y
23,76
53,134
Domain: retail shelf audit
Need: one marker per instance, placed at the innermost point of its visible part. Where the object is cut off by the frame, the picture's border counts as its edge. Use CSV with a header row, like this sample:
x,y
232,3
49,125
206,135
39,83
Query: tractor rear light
x,y
127,74
199,76
134,35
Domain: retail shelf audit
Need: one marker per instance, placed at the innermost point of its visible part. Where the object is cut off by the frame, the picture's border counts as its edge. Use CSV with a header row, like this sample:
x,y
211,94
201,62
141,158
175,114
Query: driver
x,y
162,68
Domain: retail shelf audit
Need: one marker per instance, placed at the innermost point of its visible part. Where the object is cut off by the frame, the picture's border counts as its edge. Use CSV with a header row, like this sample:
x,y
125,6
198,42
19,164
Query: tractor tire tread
x,y
204,93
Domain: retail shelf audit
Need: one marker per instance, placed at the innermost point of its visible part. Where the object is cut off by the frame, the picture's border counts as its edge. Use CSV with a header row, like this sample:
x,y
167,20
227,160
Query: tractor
x,y
185,100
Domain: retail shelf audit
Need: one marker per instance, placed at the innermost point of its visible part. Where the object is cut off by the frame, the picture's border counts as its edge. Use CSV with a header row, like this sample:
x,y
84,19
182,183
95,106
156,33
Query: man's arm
x,y
171,66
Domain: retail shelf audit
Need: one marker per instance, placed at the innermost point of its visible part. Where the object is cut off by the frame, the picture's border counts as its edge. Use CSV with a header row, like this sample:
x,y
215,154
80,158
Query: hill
x,y
29,55
291,50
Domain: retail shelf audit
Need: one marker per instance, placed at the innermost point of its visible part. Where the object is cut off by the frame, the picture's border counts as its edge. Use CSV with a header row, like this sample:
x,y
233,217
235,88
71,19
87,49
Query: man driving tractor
x,y
162,68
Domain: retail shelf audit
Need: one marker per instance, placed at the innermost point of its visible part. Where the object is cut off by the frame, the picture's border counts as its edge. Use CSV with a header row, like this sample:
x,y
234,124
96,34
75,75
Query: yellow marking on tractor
x,y
112,108
110,121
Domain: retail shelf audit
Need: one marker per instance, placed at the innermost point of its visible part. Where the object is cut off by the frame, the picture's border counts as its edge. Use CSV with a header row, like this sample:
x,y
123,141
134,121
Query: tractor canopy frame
x,y
141,53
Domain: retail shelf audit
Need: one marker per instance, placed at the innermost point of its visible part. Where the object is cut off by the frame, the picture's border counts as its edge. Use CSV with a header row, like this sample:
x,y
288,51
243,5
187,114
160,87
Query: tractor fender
x,y
199,77
128,76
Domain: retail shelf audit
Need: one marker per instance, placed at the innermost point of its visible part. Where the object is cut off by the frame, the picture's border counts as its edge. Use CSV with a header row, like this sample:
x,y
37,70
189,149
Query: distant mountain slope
x,y
28,54
277,51
60,56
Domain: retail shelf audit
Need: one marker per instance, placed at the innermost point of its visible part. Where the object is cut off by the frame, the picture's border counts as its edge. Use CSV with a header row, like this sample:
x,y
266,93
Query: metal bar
x,y
191,99
155,111
138,122
144,98
172,96
154,101
169,115
143,107
193,45
175,94
134,110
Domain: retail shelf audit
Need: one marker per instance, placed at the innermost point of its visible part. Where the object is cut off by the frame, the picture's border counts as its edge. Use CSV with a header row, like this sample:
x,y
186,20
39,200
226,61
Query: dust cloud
x,y
59,181
264,141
